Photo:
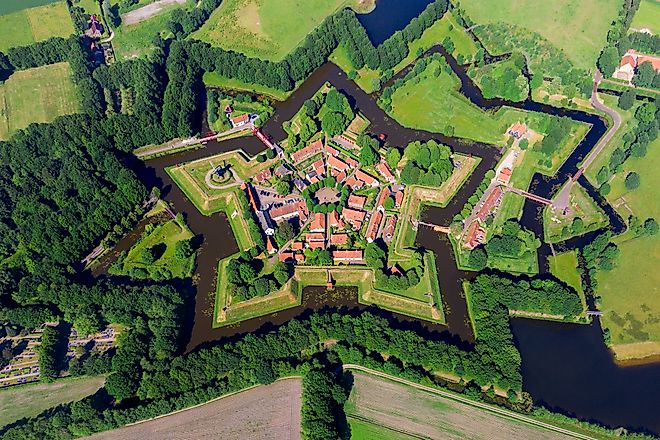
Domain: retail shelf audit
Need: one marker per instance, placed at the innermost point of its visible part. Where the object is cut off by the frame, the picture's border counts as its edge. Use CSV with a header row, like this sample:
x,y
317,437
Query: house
x,y
263,176
398,199
517,130
270,245
95,29
390,227
395,270
285,257
334,221
300,258
384,169
366,178
492,201
316,244
282,171
340,177
374,226
356,202
384,195
240,121
352,256
299,184
314,236
353,217
630,61
354,183
475,235
308,151
337,164
319,168
339,239
262,219
318,223
289,210
331,151
504,176
352,162
297,246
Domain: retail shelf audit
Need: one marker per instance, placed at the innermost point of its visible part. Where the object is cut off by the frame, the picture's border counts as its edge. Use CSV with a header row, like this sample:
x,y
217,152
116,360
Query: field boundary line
x,y
490,408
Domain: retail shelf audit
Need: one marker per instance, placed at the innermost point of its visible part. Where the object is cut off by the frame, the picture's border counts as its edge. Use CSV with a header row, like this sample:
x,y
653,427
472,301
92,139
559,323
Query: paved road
x,y
562,199
485,406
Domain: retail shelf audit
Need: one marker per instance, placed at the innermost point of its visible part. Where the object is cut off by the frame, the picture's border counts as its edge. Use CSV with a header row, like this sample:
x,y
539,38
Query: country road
x,y
485,406
562,199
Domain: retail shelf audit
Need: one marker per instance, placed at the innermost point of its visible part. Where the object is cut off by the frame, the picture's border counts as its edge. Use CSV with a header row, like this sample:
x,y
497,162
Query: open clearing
x,y
268,29
269,412
647,16
30,400
148,11
27,26
379,406
578,27
36,95
631,291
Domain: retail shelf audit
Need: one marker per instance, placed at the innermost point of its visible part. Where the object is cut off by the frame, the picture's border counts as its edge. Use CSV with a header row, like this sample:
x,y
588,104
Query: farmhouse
x,y
352,256
240,121
504,176
630,61
517,130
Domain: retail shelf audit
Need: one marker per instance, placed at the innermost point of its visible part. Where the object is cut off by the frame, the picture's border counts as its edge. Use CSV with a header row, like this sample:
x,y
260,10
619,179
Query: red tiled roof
x,y
337,164
356,202
303,153
385,171
263,175
655,61
316,244
300,258
390,227
270,245
354,183
366,178
314,236
334,220
288,210
398,198
331,151
627,59
318,167
347,255
353,214
374,225
297,245
475,235
339,239
285,256
504,175
352,162
318,223
384,194
340,177
240,119
491,201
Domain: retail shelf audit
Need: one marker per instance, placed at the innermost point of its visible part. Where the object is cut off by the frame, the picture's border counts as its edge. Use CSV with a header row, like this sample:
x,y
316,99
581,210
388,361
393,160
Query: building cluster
x,y
335,230
629,63
475,233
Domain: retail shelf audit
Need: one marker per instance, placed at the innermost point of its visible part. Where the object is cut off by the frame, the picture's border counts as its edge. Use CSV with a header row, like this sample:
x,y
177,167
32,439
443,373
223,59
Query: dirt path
x,y
270,412
148,11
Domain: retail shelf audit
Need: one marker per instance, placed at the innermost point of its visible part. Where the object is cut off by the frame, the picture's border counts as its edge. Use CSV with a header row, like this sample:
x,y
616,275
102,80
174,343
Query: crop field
x,y
647,16
631,291
380,409
577,27
30,400
268,412
27,26
36,95
269,29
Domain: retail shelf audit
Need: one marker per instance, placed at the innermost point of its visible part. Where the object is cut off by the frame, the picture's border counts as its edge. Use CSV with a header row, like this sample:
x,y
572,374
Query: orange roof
x,y
398,198
285,211
347,255
366,178
314,236
334,220
356,202
303,153
518,128
627,59
284,256
504,175
337,163
384,194
297,245
331,151
240,119
352,162
340,177
390,226
353,214
339,239
655,61
318,166
263,175
354,183
490,202
385,171
475,235
300,258
318,223
270,245
316,244
374,225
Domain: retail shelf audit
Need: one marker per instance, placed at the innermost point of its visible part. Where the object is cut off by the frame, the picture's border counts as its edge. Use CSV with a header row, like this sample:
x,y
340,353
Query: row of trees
x,y
49,351
323,398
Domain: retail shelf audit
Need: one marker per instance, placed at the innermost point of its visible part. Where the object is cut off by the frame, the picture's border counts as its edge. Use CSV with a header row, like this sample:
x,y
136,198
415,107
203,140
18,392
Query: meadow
x,y
647,16
27,26
269,29
36,95
577,27
565,267
630,293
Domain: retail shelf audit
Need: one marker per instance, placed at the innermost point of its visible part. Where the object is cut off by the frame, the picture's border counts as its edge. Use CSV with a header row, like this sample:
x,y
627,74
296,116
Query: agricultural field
x,y
630,293
164,262
559,226
269,29
647,16
380,409
267,412
36,95
27,26
30,400
577,27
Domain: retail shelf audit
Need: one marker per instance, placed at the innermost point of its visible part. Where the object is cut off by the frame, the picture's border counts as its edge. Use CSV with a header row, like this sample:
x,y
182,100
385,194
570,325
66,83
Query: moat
x,y
566,367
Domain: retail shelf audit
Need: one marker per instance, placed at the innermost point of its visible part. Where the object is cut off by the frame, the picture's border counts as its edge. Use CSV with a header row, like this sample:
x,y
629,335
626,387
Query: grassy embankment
x,y
630,293
565,267
447,26
29,400
22,27
269,29
647,16
136,40
577,27
412,302
36,95
557,225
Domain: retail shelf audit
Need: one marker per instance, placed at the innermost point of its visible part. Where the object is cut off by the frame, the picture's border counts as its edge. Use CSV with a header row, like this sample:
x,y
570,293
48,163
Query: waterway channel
x,y
566,367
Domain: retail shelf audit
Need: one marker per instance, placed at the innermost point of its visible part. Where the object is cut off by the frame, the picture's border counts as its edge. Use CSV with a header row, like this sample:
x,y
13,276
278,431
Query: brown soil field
x,y
270,412
420,414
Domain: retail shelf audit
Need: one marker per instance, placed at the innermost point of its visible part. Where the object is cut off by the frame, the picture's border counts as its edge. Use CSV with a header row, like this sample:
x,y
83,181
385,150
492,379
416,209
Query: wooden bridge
x,y
437,228
594,313
530,196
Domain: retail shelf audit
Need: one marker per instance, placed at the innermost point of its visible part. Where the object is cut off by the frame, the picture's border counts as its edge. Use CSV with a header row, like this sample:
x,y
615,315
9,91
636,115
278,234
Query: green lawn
x,y
30,400
564,266
577,27
557,225
631,291
212,79
36,95
647,16
168,265
9,6
268,29
361,430
27,26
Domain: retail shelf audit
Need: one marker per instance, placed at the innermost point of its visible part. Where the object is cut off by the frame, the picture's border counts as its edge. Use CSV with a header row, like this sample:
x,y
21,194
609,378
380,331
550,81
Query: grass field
x,y
9,6
27,26
578,27
647,16
445,106
167,265
262,412
381,409
631,291
268,29
564,266
557,225
30,400
36,95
